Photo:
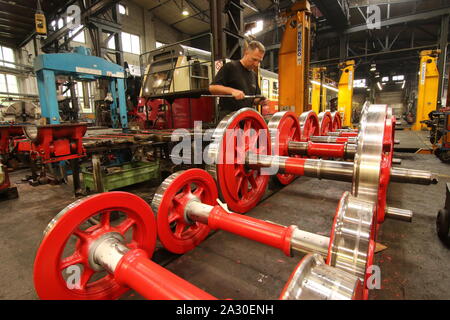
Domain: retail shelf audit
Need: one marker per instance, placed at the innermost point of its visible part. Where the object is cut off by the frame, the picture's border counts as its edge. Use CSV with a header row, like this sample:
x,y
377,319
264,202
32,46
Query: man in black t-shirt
x,y
238,79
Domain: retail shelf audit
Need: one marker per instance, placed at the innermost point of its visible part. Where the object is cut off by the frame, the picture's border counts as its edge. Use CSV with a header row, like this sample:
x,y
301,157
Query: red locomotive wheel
x,y
137,229
309,124
239,133
337,121
385,176
326,123
351,239
389,134
284,127
370,256
175,231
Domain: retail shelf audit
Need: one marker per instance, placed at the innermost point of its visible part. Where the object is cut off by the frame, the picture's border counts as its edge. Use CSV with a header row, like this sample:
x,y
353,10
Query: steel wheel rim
x,y
48,265
234,191
326,123
283,128
309,125
351,234
169,203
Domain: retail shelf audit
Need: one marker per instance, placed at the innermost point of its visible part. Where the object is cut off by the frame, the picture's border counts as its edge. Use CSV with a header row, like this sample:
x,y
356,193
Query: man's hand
x,y
238,94
261,101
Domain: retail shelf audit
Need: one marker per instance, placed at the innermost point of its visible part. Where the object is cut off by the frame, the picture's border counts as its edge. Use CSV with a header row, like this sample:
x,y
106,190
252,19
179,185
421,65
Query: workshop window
x,y
258,27
123,10
79,37
159,44
265,87
360,83
8,83
6,55
275,88
131,43
112,43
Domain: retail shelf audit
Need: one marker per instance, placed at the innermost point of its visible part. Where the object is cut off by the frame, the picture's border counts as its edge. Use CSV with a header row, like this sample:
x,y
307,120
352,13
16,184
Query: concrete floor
x,y
414,266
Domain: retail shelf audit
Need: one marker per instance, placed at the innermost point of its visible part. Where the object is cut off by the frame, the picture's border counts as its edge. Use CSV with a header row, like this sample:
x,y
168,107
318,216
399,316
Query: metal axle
x,y
332,170
132,268
342,134
277,236
311,149
331,139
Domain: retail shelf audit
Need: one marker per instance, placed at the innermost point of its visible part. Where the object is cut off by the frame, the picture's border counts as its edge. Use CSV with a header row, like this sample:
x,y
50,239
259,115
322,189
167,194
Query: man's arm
x,y
220,84
217,89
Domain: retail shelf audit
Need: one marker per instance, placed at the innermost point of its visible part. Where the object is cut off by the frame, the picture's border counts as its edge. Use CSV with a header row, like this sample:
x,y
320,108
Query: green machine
x,y
103,178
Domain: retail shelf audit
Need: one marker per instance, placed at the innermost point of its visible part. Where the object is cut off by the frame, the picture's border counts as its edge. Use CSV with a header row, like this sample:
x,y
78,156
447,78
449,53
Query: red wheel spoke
x,y
252,181
83,236
195,226
254,139
199,191
125,225
75,258
247,125
292,132
244,188
176,200
239,184
173,217
179,229
187,189
105,221
85,277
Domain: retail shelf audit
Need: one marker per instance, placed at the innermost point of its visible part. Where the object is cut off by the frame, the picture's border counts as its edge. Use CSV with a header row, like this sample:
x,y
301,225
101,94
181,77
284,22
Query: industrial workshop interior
x,y
237,150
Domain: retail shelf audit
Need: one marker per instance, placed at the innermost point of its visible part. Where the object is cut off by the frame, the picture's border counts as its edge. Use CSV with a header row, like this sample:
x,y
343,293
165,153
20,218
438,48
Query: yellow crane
x,y
428,88
294,58
345,96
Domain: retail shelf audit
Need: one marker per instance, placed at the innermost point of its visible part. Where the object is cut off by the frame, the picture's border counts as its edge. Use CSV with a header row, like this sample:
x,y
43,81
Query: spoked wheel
x,y
284,127
64,267
371,171
326,123
337,121
352,242
175,231
309,124
236,135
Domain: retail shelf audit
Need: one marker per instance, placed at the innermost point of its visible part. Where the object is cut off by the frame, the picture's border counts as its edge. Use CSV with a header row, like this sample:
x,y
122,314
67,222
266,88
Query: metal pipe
x,y
316,168
329,139
266,232
413,176
331,170
134,270
399,214
332,150
261,231
307,242
342,134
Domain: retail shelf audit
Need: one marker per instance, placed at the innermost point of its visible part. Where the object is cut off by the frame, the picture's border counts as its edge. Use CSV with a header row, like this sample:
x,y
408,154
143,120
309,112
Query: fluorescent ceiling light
x,y
325,85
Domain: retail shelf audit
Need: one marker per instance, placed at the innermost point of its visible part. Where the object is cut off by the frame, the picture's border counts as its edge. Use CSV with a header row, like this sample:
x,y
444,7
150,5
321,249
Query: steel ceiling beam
x,y
335,11
390,22
95,9
8,15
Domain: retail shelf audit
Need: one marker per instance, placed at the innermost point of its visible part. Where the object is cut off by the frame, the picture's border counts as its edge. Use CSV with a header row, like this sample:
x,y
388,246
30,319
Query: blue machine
x,y
83,66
